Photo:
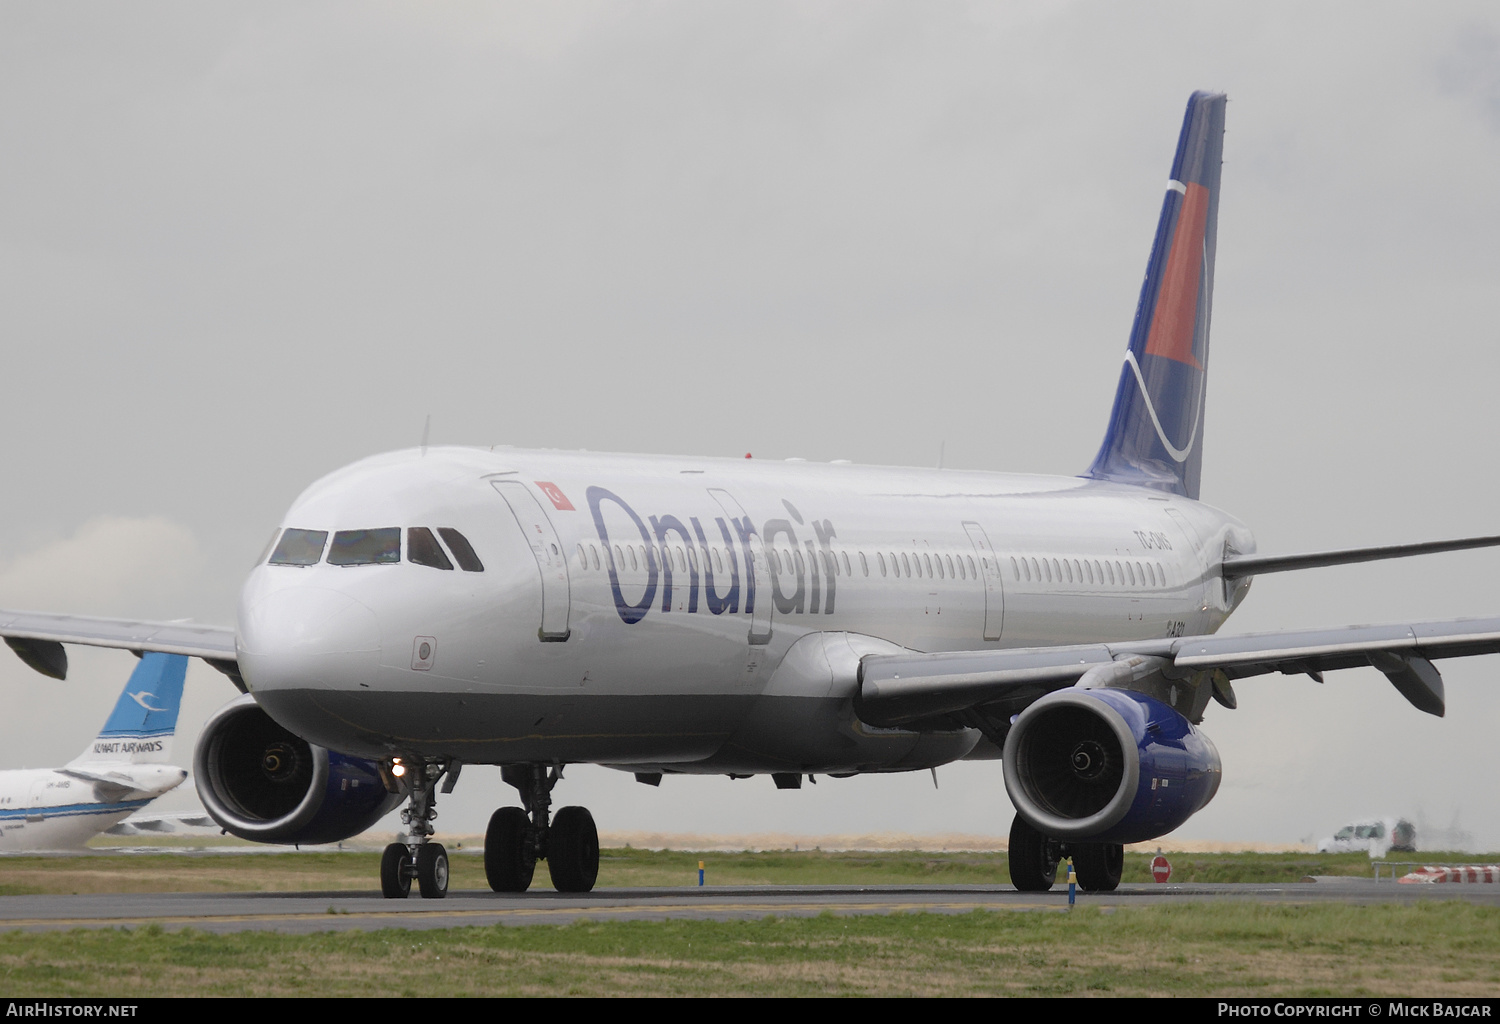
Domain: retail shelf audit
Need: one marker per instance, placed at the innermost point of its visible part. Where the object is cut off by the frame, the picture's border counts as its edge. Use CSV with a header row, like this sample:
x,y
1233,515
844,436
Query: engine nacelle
x,y
263,783
1107,765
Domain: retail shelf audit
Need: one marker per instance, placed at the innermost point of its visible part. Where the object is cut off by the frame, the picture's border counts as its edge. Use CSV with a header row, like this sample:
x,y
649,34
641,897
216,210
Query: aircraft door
x,y
759,569
551,561
994,588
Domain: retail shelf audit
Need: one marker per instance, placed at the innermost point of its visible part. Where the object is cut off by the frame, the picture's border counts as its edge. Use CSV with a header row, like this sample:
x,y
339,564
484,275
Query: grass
x,y
1220,949
1227,949
304,872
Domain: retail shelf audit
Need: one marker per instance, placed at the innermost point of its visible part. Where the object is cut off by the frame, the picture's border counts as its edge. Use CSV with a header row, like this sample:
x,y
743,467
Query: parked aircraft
x,y
427,609
122,770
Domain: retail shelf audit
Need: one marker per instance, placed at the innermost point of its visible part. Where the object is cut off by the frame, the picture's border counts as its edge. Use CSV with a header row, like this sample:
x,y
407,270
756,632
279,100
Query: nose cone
x,y
302,637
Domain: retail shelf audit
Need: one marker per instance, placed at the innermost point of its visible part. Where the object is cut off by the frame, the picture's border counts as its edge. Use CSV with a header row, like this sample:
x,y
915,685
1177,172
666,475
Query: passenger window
x,y
797,557
366,547
619,559
880,558
905,564
718,562
299,547
975,572
847,570
463,551
951,573
927,563
864,564
422,549
594,556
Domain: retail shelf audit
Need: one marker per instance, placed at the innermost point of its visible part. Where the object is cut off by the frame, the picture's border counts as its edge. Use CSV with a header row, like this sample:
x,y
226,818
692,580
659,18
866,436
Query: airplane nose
x,y
307,636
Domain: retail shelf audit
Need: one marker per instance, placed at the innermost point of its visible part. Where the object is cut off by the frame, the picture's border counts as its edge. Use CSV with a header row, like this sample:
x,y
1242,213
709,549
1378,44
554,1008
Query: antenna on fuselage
x,y
426,427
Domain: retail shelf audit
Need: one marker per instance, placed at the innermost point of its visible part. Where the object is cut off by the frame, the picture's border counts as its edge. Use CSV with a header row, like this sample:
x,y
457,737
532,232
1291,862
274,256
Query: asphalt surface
x,y
363,910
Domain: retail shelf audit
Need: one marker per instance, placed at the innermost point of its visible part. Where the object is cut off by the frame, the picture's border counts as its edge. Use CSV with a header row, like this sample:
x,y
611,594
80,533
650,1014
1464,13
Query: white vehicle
x,y
427,609
120,772
1378,836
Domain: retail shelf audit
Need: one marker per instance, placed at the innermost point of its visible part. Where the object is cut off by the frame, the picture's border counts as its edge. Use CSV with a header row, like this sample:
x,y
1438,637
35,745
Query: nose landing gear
x,y
419,858
517,839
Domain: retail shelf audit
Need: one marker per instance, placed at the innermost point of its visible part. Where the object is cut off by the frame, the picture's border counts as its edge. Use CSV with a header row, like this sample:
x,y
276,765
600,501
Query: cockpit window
x,y
366,547
462,550
423,549
299,547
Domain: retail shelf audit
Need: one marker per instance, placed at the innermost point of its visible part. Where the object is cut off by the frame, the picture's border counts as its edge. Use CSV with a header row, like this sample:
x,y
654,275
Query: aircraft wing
x,y
900,689
164,823
37,637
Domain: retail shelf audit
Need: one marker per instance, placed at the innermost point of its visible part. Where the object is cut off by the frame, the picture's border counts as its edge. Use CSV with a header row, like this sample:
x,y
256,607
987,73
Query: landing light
x,y
397,768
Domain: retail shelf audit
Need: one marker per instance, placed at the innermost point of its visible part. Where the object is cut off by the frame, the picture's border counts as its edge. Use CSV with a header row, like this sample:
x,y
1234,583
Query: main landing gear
x,y
517,839
418,858
1034,859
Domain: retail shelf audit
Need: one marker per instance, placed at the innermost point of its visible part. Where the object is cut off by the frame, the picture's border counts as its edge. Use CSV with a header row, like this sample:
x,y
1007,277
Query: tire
x,y
509,858
573,850
432,871
395,883
1098,865
1033,858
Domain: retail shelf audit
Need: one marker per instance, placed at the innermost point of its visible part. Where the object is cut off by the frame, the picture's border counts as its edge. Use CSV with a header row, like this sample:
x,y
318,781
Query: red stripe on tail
x,y
1177,305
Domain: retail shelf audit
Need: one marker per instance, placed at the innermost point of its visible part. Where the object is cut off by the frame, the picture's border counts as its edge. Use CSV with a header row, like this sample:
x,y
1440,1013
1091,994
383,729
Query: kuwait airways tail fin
x,y
140,729
1155,436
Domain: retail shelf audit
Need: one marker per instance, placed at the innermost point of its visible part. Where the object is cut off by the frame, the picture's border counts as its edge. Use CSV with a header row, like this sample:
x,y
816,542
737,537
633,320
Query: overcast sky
x,y
244,244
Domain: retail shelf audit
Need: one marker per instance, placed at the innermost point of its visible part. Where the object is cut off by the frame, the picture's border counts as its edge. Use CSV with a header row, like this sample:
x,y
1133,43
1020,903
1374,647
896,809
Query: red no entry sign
x,y
1160,869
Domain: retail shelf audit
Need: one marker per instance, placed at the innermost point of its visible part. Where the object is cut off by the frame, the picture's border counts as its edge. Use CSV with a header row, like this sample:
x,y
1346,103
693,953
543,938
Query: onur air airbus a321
x,y
427,609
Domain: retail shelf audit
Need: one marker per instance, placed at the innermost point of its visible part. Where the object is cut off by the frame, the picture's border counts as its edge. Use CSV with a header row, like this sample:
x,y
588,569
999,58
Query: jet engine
x,y
263,783
1107,765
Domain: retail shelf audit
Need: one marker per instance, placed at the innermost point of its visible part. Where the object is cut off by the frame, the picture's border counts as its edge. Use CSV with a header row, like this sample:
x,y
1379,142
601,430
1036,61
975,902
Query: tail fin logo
x,y
140,698
1174,328
1155,431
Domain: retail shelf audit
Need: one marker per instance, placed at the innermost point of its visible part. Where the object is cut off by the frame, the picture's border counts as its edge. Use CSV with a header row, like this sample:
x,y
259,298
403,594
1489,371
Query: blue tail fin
x,y
1155,436
141,726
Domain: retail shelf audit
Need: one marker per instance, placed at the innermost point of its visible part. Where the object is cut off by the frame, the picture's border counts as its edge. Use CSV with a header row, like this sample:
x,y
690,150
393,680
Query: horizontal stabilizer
x,y
1255,565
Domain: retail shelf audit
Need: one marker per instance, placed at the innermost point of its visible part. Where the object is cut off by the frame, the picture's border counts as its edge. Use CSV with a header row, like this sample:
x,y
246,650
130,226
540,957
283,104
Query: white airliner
x,y
122,770
427,609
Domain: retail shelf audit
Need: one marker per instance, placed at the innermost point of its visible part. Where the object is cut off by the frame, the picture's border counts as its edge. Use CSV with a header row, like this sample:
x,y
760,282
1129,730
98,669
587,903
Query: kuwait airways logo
x,y
140,698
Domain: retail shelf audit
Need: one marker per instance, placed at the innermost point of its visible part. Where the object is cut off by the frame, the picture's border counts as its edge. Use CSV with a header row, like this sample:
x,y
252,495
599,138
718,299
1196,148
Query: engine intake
x,y
1107,765
263,783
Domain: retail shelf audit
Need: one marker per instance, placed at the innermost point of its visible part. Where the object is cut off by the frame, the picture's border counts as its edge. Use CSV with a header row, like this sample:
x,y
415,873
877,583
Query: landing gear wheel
x,y
573,850
1033,858
395,883
509,857
1099,865
432,871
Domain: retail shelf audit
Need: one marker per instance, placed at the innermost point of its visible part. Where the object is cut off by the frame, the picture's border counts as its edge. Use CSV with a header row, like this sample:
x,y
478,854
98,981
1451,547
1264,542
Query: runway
x,y
305,912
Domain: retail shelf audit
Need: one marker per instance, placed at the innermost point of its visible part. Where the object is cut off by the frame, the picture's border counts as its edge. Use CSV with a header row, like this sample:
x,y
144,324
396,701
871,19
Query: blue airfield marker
x,y
1072,883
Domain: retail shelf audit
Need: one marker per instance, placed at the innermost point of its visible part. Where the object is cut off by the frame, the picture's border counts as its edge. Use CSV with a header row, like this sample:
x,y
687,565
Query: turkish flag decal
x,y
554,492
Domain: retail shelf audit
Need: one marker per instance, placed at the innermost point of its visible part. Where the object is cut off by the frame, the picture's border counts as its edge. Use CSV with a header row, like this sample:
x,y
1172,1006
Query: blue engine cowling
x,y
1107,765
263,783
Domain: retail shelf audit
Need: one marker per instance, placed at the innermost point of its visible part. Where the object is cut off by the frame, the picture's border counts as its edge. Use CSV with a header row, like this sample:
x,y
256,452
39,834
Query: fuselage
x,y
49,809
689,614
